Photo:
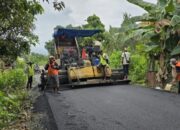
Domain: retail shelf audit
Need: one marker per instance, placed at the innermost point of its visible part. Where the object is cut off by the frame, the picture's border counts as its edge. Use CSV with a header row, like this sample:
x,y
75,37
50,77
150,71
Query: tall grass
x,y
12,95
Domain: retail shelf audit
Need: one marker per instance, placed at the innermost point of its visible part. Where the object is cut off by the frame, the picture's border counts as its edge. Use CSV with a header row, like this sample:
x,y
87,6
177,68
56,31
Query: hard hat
x,y
105,55
173,61
51,57
97,43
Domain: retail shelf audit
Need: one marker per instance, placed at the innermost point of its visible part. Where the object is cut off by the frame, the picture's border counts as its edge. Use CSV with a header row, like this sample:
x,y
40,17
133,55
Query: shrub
x,y
20,63
138,68
115,58
12,95
11,106
12,79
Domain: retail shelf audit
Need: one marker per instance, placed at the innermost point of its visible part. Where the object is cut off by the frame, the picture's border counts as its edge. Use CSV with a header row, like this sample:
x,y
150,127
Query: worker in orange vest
x,y
178,74
53,71
84,54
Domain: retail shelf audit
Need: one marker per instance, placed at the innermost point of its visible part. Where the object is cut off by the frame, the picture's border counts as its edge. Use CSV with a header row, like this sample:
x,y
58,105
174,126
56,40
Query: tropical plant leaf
x,y
151,48
170,7
176,51
162,3
149,33
145,5
175,20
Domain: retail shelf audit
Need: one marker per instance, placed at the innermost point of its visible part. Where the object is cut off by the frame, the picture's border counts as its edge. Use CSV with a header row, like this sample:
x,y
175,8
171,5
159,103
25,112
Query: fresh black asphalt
x,y
120,107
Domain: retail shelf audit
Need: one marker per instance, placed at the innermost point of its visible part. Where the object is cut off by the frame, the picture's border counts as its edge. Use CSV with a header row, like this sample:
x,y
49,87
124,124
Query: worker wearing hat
x,y
53,71
103,63
30,73
125,62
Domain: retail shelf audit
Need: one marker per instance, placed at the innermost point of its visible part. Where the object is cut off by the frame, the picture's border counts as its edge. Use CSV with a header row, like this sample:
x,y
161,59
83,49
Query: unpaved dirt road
x,y
120,107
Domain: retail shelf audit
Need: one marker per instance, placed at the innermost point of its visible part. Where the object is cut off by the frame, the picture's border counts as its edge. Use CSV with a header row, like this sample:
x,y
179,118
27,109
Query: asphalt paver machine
x,y
76,71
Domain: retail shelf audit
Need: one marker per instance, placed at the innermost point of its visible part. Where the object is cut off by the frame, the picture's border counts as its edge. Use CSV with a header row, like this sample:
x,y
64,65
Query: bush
x,y
12,95
138,68
38,58
11,106
20,63
12,79
115,59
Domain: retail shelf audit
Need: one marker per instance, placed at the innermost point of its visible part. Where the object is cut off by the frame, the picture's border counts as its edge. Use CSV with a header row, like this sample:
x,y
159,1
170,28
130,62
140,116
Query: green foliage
x,y
12,80
170,7
93,22
11,106
145,5
16,30
138,68
50,47
163,33
12,84
138,64
176,51
20,63
175,20
38,58
115,59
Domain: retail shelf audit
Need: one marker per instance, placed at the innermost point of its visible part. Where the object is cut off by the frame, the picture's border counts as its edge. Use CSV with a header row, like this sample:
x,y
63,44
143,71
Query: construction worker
x,y
43,80
173,70
103,63
30,73
53,71
178,74
125,62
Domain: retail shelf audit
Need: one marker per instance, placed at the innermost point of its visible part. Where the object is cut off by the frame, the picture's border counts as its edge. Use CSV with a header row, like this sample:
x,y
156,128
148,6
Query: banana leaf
x,y
175,20
176,51
162,3
170,7
150,48
149,7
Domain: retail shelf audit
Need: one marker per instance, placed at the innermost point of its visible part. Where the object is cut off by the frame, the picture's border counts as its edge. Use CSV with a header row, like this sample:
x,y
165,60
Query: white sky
x,y
76,12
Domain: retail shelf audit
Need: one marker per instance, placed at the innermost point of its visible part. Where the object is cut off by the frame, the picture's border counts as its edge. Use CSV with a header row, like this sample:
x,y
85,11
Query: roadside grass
x,y
13,97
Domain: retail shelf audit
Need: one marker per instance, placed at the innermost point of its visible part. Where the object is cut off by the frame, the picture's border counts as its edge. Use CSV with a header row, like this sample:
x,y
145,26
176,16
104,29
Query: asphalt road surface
x,y
120,107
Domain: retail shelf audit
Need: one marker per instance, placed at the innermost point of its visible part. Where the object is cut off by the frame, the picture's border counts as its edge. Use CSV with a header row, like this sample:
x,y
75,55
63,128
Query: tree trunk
x,y
162,71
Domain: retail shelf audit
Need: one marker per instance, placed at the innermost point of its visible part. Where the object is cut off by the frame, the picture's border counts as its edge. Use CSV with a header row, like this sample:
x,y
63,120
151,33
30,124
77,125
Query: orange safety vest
x,y
178,64
178,74
52,71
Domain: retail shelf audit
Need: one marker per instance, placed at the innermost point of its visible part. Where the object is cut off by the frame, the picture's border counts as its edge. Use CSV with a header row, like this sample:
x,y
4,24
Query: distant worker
x,y
173,70
90,50
43,80
30,74
84,54
103,63
125,62
95,59
178,74
53,71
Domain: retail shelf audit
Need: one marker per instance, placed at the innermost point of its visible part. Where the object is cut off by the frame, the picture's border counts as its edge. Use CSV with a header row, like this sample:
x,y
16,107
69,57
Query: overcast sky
x,y
76,12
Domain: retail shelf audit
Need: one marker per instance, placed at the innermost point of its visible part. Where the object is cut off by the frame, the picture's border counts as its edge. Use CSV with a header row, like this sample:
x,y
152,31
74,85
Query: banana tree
x,y
165,19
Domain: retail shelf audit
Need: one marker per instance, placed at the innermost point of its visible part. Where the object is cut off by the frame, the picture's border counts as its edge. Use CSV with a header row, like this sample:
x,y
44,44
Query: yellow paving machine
x,y
75,70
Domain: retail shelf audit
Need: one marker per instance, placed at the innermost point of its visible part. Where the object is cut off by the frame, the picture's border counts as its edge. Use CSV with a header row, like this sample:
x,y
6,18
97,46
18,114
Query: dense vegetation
x,y
12,94
39,59
16,36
